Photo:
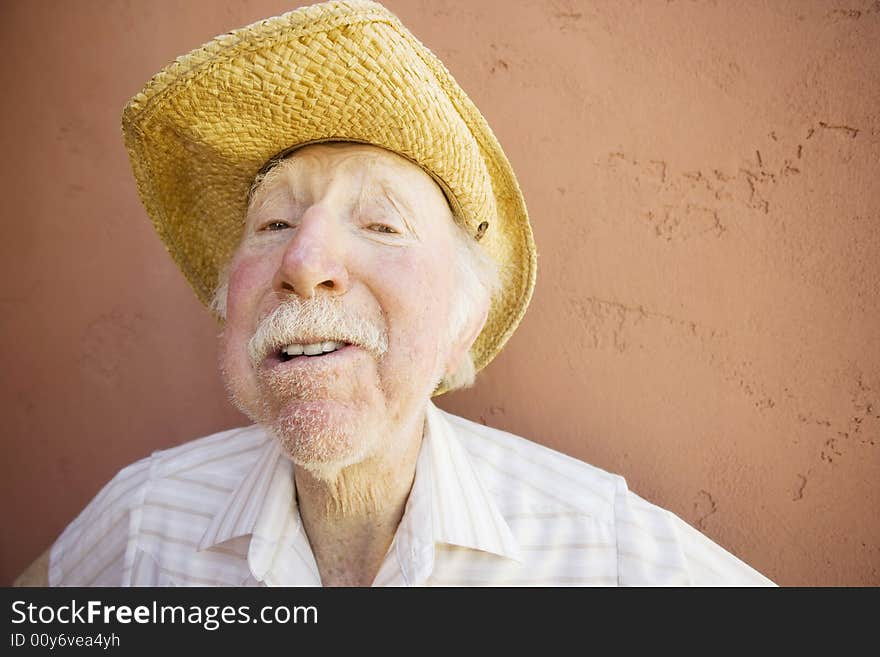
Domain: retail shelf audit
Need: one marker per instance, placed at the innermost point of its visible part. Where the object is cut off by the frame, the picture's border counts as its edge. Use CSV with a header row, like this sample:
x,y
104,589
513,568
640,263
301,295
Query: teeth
x,y
312,349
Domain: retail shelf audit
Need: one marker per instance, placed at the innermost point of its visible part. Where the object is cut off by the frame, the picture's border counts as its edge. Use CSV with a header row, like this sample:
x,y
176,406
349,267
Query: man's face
x,y
347,246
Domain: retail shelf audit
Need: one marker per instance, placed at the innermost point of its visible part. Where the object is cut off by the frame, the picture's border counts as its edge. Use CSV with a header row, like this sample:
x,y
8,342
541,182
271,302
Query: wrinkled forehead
x,y
361,167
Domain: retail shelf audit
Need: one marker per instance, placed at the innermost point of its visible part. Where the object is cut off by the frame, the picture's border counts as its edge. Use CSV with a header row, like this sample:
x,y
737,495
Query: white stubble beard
x,y
343,452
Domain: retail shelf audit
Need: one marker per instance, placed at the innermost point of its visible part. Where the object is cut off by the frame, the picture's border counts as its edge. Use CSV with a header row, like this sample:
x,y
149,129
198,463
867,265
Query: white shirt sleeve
x,y
657,548
94,549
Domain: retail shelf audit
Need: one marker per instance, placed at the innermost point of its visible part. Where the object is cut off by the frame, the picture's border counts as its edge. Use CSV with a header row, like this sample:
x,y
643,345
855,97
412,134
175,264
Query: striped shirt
x,y
486,508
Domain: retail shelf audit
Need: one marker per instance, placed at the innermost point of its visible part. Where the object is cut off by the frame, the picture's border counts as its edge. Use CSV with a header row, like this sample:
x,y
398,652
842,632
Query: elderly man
x,y
331,192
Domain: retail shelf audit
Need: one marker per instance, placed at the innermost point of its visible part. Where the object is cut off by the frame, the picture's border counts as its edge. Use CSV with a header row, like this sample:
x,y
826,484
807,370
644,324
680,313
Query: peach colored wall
x,y
703,183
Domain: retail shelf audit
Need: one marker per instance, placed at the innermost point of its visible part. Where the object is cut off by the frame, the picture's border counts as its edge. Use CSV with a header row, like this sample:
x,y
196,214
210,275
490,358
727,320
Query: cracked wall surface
x,y
702,179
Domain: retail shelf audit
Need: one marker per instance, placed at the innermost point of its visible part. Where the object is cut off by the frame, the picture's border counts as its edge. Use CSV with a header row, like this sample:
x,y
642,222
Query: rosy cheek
x,y
246,282
415,302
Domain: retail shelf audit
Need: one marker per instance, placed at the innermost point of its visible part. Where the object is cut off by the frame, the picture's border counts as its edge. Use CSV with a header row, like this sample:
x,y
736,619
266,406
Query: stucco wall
x,y
703,183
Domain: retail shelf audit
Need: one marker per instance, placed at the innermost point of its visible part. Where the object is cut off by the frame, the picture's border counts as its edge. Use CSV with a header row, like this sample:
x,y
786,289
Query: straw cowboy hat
x,y
204,127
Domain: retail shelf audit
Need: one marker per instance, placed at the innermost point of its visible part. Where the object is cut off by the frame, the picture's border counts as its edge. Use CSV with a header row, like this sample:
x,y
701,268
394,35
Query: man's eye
x,y
275,225
381,228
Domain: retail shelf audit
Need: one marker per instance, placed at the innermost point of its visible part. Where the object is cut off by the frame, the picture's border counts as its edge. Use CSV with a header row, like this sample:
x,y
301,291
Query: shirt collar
x,y
264,506
448,504
464,512
238,516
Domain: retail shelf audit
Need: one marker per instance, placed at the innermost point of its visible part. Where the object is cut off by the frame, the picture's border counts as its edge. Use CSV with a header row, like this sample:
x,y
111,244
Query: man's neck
x,y
351,519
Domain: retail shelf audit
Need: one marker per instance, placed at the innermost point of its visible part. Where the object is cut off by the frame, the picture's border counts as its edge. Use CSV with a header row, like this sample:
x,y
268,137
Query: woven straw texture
x,y
204,126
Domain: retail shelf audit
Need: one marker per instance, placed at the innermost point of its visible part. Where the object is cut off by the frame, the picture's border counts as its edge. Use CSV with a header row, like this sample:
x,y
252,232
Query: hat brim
x,y
203,127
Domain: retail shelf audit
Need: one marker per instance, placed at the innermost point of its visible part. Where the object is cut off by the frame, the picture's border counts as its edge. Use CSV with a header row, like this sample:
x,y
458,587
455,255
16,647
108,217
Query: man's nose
x,y
313,258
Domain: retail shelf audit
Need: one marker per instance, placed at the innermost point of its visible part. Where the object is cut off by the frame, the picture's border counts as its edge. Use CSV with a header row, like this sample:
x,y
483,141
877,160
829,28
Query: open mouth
x,y
311,350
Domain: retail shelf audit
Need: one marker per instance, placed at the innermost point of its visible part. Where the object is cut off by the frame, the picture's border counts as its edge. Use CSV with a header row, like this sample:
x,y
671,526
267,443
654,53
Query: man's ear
x,y
466,340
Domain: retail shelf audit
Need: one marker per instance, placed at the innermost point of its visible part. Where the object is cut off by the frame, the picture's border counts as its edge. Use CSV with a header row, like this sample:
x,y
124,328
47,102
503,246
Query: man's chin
x,y
323,436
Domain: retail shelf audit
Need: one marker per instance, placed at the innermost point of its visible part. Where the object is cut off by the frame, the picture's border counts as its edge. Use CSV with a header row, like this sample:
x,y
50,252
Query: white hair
x,y
476,283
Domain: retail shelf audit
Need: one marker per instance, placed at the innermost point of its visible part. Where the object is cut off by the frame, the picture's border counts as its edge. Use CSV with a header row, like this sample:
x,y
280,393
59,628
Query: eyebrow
x,y
264,196
270,205
403,209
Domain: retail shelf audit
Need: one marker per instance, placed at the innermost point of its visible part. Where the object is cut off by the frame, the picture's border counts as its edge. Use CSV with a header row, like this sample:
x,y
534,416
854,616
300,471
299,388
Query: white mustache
x,y
318,319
